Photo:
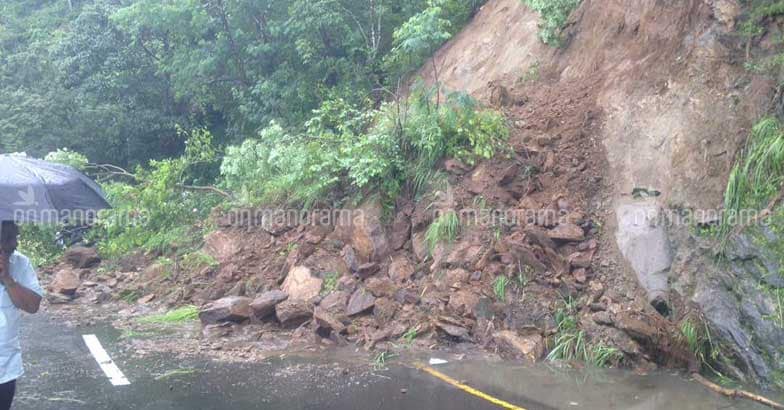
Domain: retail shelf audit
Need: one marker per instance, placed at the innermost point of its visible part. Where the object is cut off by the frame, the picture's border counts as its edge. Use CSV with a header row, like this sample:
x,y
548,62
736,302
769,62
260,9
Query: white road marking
x,y
116,377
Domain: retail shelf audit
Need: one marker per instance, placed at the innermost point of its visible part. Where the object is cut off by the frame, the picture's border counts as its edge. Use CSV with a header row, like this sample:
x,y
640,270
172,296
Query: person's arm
x,y
22,297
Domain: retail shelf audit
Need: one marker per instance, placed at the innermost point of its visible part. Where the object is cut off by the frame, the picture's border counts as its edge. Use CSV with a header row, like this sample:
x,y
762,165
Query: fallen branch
x,y
735,393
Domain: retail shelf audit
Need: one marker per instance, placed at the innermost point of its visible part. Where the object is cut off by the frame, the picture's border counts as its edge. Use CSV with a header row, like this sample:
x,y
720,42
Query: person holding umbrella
x,y
31,191
20,292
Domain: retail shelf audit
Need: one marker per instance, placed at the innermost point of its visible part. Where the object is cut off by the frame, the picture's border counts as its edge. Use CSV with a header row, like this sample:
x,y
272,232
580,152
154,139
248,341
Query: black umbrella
x,y
33,190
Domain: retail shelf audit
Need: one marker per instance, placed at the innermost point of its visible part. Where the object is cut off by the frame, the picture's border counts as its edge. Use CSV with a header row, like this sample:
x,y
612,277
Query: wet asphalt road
x,y
61,374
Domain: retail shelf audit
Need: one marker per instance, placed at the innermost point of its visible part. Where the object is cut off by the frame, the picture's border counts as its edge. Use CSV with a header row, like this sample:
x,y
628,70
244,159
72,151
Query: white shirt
x,y
10,317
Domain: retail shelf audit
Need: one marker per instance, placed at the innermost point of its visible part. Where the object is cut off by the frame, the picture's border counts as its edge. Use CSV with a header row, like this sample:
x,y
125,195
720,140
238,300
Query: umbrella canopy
x,y
33,190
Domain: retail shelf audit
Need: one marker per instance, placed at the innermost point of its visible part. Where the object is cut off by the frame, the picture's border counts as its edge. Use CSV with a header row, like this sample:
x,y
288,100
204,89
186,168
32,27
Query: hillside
x,y
621,143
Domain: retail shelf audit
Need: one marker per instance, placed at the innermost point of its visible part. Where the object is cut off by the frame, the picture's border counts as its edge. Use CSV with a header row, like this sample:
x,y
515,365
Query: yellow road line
x,y
468,389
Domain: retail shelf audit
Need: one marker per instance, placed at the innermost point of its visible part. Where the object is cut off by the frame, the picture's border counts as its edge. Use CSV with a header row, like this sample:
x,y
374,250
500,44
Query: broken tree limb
x,y
735,393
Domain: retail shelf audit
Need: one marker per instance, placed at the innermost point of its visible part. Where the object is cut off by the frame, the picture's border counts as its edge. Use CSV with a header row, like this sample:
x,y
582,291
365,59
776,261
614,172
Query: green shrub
x,y
346,149
554,14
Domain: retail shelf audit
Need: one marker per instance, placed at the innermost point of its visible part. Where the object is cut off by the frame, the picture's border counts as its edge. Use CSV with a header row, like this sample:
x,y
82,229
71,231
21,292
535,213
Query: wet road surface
x,y
61,374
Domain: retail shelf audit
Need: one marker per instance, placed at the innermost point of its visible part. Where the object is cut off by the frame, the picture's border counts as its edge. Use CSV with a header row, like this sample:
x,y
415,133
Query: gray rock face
x,y
642,239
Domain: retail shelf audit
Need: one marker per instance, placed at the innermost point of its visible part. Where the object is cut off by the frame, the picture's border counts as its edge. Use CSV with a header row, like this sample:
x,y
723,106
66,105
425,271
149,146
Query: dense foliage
x,y
112,79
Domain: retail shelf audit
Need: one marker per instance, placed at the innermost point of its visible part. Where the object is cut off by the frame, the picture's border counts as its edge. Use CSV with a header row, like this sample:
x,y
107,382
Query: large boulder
x,y
300,284
229,309
293,312
264,305
65,282
368,236
81,257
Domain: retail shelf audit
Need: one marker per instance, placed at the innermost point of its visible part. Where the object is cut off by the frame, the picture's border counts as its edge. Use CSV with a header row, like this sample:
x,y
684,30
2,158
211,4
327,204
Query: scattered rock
x,y
81,257
529,348
419,246
326,320
567,232
350,258
293,312
463,303
380,287
146,299
455,331
228,309
401,269
581,259
65,282
367,270
580,275
361,301
384,310
301,285
368,235
603,318
264,305
335,303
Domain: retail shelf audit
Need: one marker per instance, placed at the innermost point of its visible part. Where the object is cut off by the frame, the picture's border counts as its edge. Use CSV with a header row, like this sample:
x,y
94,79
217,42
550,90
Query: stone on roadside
x,y
567,232
529,348
293,312
300,284
81,257
264,305
228,309
361,301
65,282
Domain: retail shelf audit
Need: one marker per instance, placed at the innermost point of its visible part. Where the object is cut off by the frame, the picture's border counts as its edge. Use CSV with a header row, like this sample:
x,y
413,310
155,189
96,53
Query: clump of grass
x,y
697,338
410,335
330,283
443,229
129,296
758,176
571,343
179,315
381,359
499,287
602,355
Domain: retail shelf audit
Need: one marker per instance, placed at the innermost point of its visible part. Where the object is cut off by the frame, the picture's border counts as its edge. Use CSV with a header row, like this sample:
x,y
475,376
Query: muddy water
x,y
61,374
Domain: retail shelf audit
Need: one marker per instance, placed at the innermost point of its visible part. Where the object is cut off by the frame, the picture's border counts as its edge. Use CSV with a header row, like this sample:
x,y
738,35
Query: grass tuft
x,y
179,315
444,229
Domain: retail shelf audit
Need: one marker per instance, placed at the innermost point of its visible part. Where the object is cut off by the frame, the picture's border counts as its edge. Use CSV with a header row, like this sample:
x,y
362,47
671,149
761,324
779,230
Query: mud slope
x,y
676,104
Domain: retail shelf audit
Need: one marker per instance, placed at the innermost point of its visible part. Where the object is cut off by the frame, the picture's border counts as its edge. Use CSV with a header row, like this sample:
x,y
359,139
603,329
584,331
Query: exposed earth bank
x,y
638,115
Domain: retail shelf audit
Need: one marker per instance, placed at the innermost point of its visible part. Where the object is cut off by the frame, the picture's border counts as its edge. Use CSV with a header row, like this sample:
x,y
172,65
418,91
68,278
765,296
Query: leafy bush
x,y
358,150
554,14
